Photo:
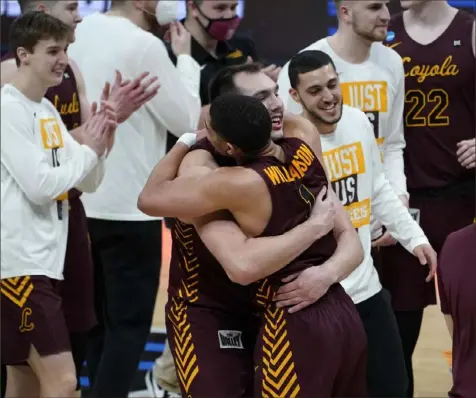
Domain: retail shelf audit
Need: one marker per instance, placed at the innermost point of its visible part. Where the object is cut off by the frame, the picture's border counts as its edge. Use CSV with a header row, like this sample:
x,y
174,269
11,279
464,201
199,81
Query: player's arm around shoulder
x,y
7,71
194,194
235,189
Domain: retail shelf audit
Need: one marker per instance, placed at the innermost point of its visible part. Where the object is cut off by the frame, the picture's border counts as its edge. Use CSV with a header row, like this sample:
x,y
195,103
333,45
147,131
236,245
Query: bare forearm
x,y
347,257
165,170
261,257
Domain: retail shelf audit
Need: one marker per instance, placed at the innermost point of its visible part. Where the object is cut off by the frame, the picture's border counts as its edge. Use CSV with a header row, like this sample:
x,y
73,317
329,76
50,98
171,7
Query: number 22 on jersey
x,y
427,109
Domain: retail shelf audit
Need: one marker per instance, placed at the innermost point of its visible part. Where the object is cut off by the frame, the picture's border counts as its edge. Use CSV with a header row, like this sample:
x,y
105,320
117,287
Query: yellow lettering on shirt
x,y
368,96
68,108
344,161
359,213
343,166
296,170
51,133
422,72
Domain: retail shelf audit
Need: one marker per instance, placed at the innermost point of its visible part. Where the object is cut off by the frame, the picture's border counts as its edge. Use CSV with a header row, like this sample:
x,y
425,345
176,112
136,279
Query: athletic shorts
x,y
212,350
319,351
76,289
400,272
31,315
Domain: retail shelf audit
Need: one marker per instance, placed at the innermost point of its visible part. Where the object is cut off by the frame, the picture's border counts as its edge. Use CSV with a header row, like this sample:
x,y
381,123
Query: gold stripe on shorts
x,y
17,289
184,350
279,373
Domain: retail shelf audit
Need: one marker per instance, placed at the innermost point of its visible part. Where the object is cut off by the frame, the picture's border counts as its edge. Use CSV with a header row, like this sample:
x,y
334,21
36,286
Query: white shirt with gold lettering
x,y
377,87
353,165
40,163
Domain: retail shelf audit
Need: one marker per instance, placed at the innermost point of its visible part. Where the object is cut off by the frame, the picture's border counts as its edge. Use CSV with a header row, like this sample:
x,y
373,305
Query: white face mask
x,y
166,11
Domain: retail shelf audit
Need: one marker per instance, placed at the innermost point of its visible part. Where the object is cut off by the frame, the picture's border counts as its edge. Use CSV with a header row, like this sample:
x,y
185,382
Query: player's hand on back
x,y
303,288
180,39
128,96
99,128
323,212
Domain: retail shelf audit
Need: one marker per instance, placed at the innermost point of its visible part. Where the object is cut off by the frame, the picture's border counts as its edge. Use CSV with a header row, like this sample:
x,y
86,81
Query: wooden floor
x,y
431,366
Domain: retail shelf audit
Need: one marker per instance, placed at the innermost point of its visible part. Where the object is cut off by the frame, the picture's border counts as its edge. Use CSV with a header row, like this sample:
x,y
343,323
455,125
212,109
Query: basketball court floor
x,y
431,359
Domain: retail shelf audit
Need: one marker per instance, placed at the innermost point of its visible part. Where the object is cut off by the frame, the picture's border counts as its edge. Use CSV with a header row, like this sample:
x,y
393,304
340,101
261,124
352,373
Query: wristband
x,y
188,139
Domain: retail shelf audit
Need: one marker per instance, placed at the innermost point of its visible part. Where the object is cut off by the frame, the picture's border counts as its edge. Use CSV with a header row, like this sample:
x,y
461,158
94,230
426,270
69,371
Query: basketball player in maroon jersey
x,y
264,206
457,289
436,43
70,100
235,371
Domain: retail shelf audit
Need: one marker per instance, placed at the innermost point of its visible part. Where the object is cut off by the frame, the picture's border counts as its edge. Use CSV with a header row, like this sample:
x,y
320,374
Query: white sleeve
x,y
387,207
177,105
394,138
284,85
27,163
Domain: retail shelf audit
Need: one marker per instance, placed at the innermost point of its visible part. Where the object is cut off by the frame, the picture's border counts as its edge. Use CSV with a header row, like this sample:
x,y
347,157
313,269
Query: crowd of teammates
x,y
304,217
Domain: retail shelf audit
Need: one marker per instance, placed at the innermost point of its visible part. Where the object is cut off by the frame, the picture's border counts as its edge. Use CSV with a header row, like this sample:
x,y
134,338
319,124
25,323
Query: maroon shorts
x,y
212,350
76,289
31,315
400,272
319,351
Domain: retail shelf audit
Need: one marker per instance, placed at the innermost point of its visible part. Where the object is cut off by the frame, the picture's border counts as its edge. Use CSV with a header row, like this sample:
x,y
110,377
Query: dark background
x,y
280,28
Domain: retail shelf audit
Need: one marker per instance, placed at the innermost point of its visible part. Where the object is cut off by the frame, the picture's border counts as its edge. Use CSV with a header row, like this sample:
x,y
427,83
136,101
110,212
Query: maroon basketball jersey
x,y
65,98
439,102
293,186
195,275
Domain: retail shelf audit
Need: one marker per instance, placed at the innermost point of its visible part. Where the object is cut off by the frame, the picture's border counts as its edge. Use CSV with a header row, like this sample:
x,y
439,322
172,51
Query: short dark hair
x,y
224,81
307,61
32,26
242,121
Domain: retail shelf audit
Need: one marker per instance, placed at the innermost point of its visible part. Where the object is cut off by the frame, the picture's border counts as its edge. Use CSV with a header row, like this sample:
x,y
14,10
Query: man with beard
x,y
263,205
69,99
372,80
437,45
354,168
126,244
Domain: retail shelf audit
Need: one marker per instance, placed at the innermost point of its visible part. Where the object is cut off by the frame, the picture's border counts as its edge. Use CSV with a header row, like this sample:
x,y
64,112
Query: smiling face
x,y
262,87
320,95
47,60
